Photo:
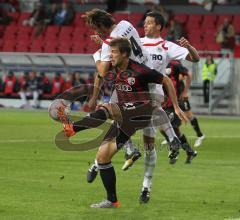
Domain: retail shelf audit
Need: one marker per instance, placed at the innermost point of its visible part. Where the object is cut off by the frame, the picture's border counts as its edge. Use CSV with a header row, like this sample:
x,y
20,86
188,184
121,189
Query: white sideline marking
x,y
85,139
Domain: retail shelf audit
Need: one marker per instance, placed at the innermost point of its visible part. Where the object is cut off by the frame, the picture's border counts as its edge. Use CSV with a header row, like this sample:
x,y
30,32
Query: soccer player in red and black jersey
x,y
176,71
132,112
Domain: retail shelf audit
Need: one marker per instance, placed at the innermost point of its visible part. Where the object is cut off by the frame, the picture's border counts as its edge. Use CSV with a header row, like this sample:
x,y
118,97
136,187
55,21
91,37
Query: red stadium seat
x,y
50,46
221,19
78,47
24,30
181,18
78,20
213,47
92,48
236,22
209,21
1,44
15,16
11,29
52,31
67,30
36,47
194,21
9,45
65,47
22,46
2,30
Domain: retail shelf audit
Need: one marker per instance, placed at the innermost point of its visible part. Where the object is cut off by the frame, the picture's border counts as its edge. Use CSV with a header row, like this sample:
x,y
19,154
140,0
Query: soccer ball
x,y
55,105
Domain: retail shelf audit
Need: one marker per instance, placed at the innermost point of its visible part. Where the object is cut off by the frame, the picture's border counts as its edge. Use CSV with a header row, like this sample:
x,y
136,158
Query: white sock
x,y
168,129
150,159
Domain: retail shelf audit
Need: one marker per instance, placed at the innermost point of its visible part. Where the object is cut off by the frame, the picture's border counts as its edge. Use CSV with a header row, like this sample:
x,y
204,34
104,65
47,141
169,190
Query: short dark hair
x,y
123,44
159,19
98,18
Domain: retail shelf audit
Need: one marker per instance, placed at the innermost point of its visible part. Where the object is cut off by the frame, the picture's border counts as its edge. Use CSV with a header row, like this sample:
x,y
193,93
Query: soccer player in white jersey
x,y
161,52
103,24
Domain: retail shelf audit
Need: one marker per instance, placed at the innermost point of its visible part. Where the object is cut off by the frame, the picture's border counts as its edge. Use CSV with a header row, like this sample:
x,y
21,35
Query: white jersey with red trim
x,y
162,52
126,29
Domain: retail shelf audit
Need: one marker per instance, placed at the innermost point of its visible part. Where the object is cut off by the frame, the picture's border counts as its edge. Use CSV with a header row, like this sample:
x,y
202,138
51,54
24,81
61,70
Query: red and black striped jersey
x,y
132,84
177,69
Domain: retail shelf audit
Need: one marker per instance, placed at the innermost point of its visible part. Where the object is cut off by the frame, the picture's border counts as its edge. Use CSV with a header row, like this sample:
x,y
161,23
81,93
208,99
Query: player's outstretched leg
x,y
92,120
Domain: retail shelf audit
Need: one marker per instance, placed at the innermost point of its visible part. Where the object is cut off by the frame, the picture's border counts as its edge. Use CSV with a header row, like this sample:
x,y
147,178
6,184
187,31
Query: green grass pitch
x,y
39,181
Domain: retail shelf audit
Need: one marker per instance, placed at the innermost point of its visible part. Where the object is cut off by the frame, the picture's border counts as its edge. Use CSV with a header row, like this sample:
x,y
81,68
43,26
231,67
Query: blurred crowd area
x,y
41,85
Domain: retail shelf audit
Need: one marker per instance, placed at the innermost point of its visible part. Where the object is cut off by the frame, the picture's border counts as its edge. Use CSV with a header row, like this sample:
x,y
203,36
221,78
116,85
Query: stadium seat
x,y
2,30
15,16
120,16
213,47
92,48
24,30
36,47
181,18
65,47
209,21
134,18
9,45
1,43
78,20
50,46
78,47
52,31
22,46
66,30
221,19
236,22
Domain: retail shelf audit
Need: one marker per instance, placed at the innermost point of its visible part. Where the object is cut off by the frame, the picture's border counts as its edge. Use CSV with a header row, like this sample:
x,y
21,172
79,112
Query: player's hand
x,y
92,104
181,114
183,42
97,39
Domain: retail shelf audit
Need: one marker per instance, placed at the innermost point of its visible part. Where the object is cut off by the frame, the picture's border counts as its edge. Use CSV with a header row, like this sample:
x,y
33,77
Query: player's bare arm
x,y
172,94
102,69
193,54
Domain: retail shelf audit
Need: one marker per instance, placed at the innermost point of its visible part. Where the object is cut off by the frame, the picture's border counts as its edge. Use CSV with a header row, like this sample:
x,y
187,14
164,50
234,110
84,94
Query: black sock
x,y
93,120
194,123
108,177
185,144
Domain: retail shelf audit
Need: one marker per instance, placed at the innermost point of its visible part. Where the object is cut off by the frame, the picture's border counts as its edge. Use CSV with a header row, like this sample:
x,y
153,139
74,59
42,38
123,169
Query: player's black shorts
x,y
173,117
135,116
184,105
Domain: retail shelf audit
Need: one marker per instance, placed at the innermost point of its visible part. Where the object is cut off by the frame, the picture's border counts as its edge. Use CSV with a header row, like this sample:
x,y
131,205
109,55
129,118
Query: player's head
x,y
100,21
153,24
120,50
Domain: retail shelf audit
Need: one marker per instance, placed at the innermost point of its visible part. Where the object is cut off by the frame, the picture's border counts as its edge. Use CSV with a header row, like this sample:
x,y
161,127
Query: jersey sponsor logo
x,y
131,80
123,87
156,56
128,106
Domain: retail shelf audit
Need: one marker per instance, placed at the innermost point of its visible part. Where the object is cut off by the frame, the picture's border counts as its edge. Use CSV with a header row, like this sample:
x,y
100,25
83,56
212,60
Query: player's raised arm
x,y
193,54
102,69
